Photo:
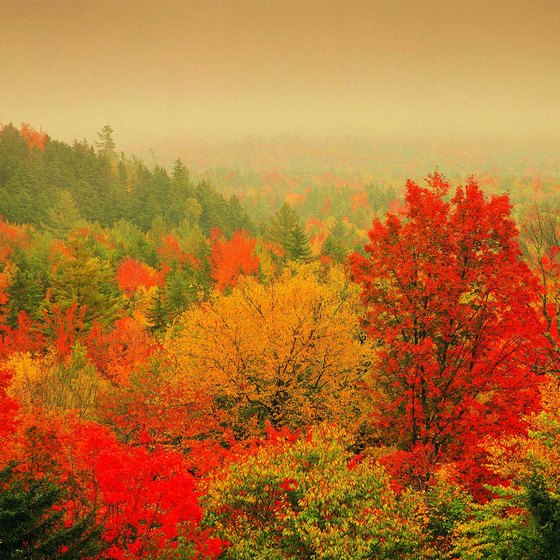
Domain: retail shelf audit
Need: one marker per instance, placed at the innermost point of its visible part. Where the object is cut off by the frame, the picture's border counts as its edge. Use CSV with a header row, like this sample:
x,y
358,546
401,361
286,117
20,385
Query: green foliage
x,y
54,187
338,244
86,280
130,241
286,230
519,524
544,505
106,144
310,499
446,506
498,530
63,216
28,286
32,525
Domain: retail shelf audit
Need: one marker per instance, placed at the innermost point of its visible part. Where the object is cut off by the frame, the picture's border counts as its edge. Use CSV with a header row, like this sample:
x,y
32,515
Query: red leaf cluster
x,y
229,258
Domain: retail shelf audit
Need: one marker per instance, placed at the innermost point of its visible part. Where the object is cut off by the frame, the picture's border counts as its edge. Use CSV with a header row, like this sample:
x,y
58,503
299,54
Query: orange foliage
x,y
5,281
33,138
120,351
398,206
64,326
359,200
11,237
294,198
25,338
133,274
285,352
231,258
316,242
170,253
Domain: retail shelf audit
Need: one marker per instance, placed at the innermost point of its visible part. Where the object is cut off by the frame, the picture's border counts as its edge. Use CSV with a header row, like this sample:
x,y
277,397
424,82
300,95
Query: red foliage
x,y
27,337
64,327
231,258
5,280
121,350
8,407
171,253
11,237
399,207
142,498
133,274
449,304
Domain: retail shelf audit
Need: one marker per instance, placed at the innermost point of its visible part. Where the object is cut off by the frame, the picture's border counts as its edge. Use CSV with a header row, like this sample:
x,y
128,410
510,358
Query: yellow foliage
x,y
286,352
48,383
267,264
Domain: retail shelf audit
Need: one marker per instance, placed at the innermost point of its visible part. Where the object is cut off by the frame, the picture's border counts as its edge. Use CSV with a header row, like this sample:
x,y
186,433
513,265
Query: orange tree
x,y
449,307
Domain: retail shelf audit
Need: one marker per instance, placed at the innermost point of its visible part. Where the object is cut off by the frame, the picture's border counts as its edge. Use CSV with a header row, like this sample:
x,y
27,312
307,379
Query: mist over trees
x,y
260,364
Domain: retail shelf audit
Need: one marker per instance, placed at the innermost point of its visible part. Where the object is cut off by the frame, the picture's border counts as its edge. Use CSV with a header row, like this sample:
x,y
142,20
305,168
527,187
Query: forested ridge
x,y
339,370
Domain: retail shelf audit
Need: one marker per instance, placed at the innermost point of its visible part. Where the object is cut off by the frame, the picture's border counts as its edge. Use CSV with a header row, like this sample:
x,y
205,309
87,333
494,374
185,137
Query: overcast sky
x,y
223,69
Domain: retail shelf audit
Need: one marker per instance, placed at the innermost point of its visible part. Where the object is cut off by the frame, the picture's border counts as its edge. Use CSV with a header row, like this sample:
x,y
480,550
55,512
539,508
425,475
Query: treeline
x,y
179,391
45,182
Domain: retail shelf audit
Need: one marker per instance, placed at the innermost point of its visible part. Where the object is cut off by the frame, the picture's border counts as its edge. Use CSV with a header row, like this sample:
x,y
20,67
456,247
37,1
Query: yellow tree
x,y
289,353
50,383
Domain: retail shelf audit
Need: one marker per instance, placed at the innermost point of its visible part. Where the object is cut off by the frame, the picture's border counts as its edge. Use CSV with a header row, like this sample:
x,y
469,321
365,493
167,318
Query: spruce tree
x,y
32,529
285,229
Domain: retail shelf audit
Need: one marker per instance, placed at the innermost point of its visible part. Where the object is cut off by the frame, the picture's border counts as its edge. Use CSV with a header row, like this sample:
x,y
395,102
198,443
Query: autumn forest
x,y
274,365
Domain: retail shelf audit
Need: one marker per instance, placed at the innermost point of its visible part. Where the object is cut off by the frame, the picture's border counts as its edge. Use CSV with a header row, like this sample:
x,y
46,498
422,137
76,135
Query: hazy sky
x,y
158,70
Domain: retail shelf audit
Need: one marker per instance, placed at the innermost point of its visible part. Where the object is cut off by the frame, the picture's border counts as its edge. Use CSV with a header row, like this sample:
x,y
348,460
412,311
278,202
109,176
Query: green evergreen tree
x,y
337,245
297,248
158,231
106,145
28,286
158,312
181,174
31,529
62,217
130,241
193,211
86,280
285,229
181,290
13,152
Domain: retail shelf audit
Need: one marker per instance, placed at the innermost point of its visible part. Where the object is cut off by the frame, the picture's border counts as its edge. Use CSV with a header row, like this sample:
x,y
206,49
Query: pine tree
x,y
32,529
62,217
84,279
337,244
286,230
298,248
157,313
106,145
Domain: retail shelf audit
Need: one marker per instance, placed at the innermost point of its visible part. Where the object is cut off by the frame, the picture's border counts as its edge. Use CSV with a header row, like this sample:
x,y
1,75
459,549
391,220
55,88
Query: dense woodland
x,y
260,366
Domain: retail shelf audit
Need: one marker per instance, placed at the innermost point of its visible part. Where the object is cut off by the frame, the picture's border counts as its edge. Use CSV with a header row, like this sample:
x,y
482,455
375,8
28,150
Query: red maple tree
x,y
449,304
133,274
229,258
